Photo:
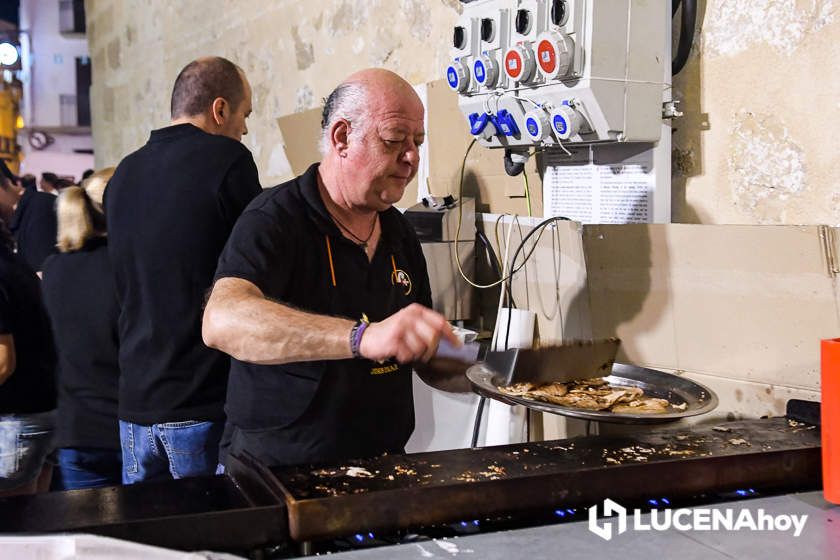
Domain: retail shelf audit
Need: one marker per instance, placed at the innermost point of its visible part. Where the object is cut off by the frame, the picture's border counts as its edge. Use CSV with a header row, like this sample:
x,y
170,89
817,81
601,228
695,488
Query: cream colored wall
x,y
293,52
760,93
761,96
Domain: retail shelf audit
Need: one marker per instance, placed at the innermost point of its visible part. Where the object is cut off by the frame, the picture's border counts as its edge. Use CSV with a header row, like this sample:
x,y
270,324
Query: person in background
x,y
62,183
29,182
81,299
32,221
171,206
27,383
49,183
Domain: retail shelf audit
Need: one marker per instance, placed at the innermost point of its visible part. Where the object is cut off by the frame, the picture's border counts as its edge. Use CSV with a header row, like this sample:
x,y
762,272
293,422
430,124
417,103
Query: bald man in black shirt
x,y
322,294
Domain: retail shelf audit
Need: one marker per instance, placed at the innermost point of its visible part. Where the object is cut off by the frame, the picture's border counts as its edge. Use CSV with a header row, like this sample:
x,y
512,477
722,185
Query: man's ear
x,y
339,134
220,110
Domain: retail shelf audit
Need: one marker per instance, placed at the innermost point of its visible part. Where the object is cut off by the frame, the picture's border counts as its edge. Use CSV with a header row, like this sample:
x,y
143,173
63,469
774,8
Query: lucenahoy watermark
x,y
695,519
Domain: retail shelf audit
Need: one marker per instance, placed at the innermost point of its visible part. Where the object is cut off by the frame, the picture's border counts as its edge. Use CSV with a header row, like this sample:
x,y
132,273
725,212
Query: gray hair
x,y
348,101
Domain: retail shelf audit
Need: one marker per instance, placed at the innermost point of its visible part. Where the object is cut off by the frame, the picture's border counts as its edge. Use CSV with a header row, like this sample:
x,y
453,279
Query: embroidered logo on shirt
x,y
390,368
401,277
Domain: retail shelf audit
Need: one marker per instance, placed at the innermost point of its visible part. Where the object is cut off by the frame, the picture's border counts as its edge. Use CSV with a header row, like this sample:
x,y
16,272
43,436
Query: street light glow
x,y
8,54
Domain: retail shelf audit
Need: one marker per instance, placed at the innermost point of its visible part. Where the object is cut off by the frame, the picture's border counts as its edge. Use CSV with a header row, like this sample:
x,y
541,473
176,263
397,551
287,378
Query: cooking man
x,y
322,295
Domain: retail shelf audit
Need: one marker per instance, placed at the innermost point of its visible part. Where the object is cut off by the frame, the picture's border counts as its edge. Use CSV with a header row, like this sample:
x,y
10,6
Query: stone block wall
x,y
760,93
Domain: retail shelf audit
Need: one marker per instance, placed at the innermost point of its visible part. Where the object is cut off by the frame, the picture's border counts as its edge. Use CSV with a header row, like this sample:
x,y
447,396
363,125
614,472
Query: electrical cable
x,y
537,105
460,222
688,22
492,257
562,147
505,279
499,218
477,423
495,338
513,168
539,228
527,193
527,291
556,268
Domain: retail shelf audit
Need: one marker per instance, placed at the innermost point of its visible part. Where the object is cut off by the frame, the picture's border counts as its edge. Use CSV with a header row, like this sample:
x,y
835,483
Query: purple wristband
x,y
356,337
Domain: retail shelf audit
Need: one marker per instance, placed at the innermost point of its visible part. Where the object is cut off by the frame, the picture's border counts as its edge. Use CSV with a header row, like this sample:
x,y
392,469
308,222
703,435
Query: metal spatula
x,y
570,361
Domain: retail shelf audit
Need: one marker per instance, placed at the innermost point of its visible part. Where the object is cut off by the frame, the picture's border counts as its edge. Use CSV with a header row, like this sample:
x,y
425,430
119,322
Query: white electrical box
x,y
551,72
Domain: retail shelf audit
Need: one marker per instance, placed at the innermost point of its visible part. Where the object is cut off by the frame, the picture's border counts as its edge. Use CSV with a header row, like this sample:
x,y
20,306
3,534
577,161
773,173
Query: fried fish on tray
x,y
590,394
647,405
578,400
550,391
521,389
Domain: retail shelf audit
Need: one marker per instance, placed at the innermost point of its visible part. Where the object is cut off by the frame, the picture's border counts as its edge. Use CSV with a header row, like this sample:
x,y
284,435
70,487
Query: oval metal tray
x,y
698,398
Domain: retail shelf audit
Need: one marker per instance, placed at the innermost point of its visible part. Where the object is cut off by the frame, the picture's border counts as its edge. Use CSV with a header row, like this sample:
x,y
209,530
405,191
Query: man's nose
x,y
412,156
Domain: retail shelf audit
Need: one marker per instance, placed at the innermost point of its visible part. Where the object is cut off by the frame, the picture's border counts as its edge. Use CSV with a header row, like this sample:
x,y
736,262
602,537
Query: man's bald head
x,y
357,95
381,81
372,132
203,80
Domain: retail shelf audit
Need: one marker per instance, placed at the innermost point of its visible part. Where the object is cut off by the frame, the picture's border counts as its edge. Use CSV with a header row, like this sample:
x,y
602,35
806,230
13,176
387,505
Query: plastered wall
x,y
760,93
293,52
761,98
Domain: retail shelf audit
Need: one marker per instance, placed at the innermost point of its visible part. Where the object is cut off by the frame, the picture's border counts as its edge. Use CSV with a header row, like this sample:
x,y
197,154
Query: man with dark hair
x,y
32,221
170,208
49,182
199,83
29,182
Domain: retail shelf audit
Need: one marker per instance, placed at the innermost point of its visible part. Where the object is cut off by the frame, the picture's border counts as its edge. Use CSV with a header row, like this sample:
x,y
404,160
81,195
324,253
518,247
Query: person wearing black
x,y
32,221
50,183
29,182
81,299
27,385
170,208
322,295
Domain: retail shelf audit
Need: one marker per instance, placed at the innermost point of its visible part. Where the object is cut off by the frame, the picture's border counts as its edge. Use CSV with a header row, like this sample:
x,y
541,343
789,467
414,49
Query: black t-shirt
x,y
286,244
31,387
34,227
170,208
81,300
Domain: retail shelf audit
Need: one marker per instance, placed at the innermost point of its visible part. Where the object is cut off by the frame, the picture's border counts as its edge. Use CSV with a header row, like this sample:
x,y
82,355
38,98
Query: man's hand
x,y
409,335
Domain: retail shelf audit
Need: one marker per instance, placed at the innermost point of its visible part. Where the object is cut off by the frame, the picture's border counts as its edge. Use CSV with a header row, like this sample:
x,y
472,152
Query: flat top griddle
x,y
698,399
209,512
255,506
426,488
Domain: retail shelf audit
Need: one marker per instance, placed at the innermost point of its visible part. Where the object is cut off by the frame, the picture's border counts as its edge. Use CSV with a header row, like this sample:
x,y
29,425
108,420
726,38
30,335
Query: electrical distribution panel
x,y
546,72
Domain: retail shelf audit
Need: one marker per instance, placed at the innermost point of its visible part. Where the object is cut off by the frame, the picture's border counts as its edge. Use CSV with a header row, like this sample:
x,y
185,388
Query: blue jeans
x,y
88,467
25,442
172,449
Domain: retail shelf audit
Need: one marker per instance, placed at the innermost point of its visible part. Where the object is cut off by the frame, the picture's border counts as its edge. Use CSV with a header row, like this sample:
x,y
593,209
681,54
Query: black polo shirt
x,y
170,208
81,300
31,387
34,227
323,410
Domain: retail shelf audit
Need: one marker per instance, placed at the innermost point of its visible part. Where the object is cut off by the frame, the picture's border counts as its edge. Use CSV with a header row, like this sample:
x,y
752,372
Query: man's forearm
x,y
241,322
